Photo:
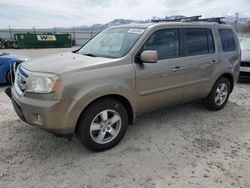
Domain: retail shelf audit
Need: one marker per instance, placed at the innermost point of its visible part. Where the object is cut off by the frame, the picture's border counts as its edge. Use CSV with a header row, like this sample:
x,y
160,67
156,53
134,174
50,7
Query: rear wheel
x,y
103,124
219,95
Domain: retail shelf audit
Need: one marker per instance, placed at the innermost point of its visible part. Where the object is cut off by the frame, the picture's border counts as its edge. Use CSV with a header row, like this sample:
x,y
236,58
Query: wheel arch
x,y
123,100
230,78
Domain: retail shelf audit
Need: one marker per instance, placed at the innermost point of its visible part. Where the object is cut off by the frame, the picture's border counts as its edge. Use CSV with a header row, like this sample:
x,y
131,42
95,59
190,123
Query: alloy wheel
x,y
105,126
221,94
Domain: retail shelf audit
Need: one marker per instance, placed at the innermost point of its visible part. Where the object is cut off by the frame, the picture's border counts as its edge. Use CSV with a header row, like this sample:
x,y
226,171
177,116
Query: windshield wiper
x,y
89,54
75,52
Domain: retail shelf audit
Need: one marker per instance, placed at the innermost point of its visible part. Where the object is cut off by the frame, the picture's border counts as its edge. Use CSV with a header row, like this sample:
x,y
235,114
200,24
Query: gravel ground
x,y
183,146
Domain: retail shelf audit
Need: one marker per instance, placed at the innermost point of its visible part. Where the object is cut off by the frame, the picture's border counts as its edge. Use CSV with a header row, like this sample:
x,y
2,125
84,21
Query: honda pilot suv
x,y
96,91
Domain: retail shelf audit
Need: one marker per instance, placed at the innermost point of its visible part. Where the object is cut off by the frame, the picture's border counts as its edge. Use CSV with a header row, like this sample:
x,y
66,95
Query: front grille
x,y
22,76
245,64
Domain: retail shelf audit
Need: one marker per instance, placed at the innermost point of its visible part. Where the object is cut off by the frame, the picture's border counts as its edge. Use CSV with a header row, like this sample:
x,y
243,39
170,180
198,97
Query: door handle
x,y
213,61
177,68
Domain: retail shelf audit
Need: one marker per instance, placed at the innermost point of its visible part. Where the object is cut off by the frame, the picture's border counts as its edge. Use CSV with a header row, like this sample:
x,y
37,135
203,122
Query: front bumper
x,y
56,116
17,108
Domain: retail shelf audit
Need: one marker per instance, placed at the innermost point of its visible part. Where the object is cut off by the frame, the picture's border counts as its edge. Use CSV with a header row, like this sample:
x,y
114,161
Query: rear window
x,y
199,41
227,40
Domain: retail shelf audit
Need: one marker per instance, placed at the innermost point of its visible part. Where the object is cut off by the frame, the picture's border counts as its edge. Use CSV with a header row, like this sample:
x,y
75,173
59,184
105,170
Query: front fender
x,y
3,72
85,86
87,95
92,91
4,68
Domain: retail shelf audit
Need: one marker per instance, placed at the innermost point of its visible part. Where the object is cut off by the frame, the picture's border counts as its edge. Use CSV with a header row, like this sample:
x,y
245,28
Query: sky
x,y
68,13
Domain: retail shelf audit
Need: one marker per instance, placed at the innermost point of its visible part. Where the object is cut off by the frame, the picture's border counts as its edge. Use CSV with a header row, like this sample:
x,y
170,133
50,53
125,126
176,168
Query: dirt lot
x,y
184,146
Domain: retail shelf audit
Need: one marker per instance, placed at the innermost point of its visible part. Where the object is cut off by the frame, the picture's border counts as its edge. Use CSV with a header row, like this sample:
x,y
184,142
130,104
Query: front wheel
x,y
103,124
219,95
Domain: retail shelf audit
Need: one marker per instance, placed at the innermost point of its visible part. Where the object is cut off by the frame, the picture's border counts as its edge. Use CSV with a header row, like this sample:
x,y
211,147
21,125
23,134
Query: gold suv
x,y
96,91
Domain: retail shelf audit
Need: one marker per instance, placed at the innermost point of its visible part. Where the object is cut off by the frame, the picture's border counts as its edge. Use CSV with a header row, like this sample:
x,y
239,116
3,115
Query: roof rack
x,y
193,19
177,19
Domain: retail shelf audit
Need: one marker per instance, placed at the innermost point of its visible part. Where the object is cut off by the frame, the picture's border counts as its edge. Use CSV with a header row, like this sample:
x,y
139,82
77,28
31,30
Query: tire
x,y
219,94
2,46
102,125
14,45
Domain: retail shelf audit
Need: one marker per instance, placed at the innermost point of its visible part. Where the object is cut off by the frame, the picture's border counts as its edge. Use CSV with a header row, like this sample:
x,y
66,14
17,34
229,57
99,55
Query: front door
x,y
160,84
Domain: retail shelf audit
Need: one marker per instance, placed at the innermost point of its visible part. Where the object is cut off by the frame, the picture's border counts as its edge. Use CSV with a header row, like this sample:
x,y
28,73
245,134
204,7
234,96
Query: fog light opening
x,y
39,118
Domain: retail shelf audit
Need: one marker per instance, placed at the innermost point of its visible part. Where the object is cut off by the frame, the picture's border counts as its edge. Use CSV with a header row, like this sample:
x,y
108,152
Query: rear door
x,y
201,62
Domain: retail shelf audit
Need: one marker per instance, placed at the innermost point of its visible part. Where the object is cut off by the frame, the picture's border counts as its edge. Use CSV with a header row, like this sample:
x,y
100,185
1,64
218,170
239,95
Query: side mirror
x,y
149,56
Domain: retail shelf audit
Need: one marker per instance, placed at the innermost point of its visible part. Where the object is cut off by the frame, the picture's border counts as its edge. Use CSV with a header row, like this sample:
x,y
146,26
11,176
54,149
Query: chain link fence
x,y
79,36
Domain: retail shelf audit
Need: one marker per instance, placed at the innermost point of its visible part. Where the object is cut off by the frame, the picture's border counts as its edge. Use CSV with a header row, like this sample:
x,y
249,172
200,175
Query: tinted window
x,y
199,41
245,44
227,40
165,42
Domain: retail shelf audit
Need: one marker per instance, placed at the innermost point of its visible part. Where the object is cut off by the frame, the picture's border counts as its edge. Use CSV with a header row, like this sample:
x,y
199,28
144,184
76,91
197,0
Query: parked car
x,y
9,43
245,59
96,91
7,64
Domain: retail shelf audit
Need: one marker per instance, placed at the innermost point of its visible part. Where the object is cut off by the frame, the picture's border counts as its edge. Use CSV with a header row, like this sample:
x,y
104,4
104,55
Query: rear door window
x,y
227,40
199,41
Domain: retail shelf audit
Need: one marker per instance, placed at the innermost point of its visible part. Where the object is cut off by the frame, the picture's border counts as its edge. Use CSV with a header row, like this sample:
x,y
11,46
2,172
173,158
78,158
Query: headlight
x,y
43,83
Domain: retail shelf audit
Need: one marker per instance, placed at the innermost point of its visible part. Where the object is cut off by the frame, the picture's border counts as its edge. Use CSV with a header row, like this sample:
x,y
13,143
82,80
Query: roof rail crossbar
x,y
214,19
191,18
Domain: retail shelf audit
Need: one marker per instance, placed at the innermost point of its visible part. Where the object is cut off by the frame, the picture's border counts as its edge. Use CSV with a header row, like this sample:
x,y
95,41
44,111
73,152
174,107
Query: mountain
x,y
243,19
114,23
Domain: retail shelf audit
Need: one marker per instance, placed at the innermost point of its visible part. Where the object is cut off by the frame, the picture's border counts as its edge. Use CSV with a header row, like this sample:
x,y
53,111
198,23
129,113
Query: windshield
x,y
245,44
112,43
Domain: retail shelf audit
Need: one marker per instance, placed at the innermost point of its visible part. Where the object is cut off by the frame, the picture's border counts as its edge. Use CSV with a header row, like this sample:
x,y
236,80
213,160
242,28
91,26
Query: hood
x,y
245,55
64,62
7,58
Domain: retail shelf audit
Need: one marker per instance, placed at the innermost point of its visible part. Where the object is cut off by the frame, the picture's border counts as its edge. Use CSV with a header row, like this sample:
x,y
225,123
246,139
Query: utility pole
x,y
34,30
10,32
74,36
236,20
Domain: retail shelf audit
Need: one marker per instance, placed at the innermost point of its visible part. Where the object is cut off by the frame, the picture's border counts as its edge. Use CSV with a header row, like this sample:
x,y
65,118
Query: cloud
x,y
50,13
